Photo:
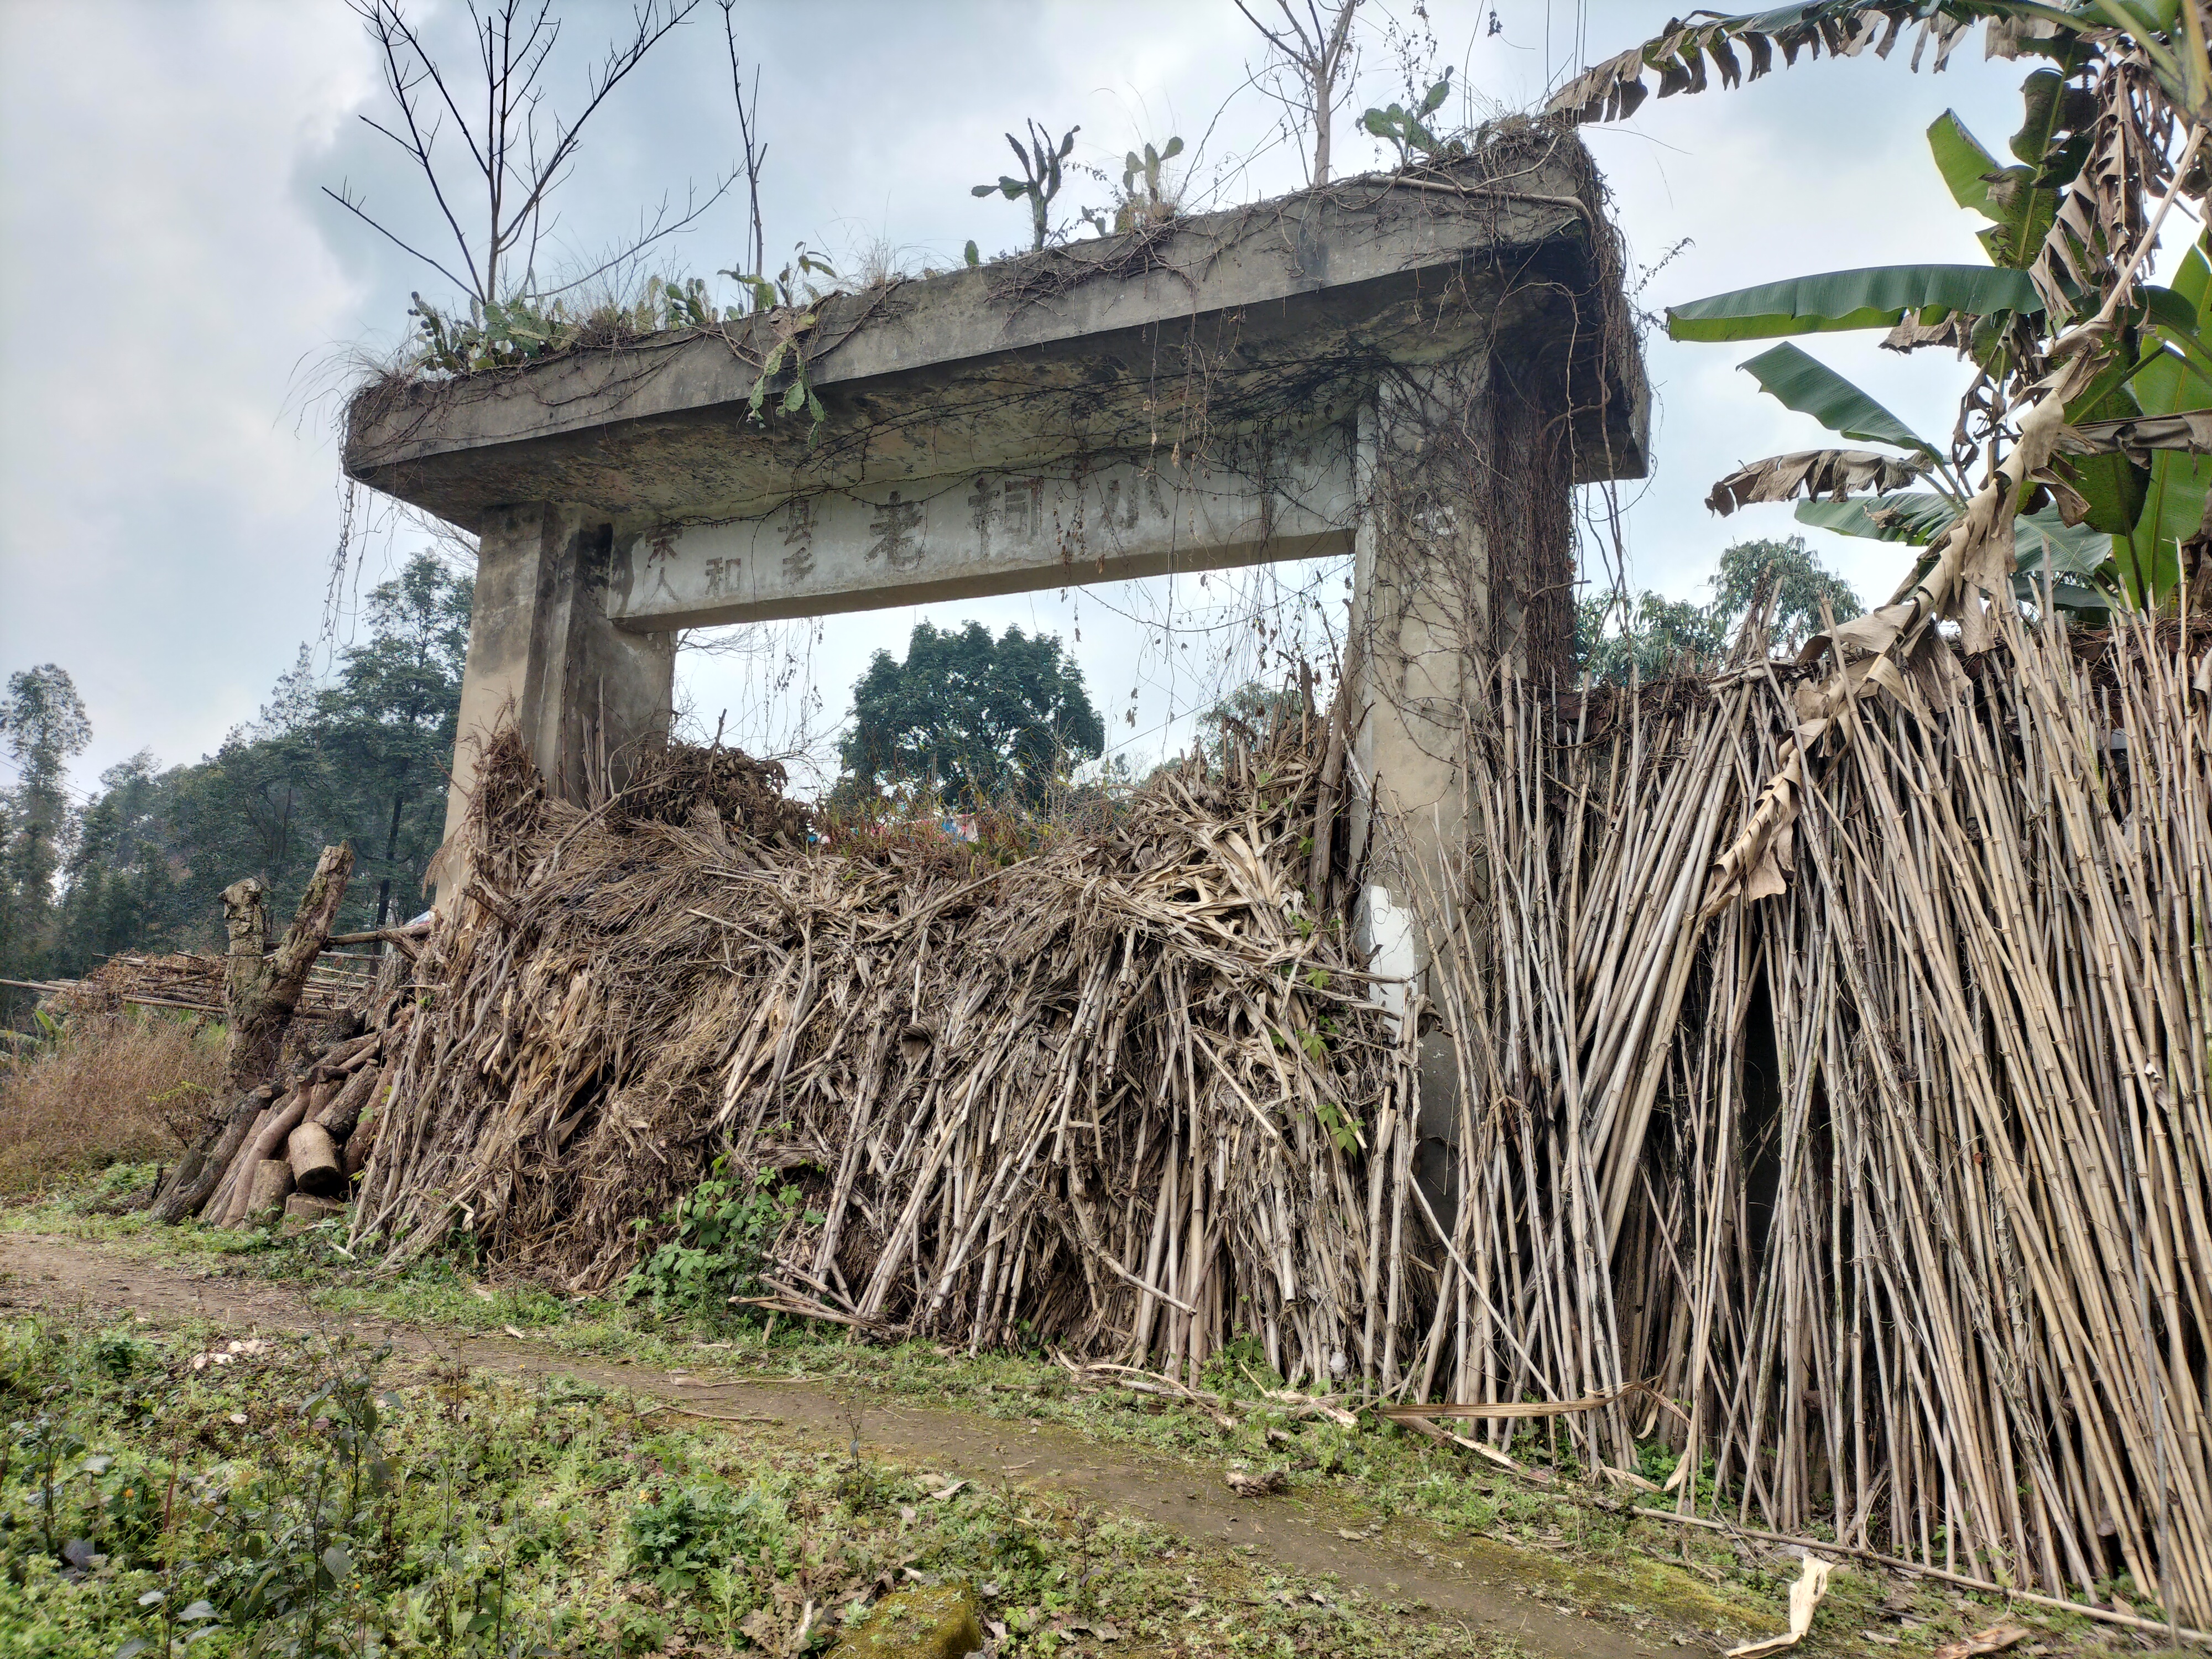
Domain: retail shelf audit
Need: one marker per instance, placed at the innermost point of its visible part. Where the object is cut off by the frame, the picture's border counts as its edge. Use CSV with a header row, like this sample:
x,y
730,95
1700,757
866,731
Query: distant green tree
x,y
42,724
1255,706
119,889
1801,584
968,719
1659,637
387,726
361,757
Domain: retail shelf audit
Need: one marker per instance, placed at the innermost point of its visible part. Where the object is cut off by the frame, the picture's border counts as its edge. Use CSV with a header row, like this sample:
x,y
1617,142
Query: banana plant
x,y
2108,525
2090,399
1041,178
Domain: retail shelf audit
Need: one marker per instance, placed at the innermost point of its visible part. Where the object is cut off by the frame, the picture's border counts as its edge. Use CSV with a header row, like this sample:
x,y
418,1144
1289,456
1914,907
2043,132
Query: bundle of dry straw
x,y
1121,1093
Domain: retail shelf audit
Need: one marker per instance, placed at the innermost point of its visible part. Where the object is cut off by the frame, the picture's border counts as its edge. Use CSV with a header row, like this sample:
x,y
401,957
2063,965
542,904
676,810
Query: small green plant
x,y
527,327
1409,131
47,1442
1041,176
781,291
781,295
722,1232
675,1538
1152,206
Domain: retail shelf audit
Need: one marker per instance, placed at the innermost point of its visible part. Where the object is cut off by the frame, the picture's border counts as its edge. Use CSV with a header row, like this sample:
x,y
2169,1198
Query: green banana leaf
x,y
1917,517
2114,486
1811,387
2149,555
2045,541
1878,297
2020,212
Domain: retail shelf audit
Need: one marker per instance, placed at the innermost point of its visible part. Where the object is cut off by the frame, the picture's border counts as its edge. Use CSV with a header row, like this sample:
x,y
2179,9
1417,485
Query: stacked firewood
x,y
305,1094
312,1130
192,981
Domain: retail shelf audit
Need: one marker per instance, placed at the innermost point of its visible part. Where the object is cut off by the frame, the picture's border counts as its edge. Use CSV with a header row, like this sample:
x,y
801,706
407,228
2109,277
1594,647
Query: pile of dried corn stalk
x,y
1124,1093
1893,1183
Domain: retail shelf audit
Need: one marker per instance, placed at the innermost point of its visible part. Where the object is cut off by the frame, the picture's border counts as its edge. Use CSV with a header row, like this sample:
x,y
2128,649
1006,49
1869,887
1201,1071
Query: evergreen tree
x,y
1659,637
120,879
360,759
388,725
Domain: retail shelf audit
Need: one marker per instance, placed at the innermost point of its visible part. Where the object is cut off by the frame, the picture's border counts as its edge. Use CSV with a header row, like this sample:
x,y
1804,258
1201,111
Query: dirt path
x,y
1489,1587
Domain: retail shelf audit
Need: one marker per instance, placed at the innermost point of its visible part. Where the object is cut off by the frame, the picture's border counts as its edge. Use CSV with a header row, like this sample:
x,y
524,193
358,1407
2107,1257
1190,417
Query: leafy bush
x,y
722,1233
678,1536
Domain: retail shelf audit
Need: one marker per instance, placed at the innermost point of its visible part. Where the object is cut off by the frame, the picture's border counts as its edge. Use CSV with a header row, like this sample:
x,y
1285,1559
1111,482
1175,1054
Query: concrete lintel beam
x,y
1096,346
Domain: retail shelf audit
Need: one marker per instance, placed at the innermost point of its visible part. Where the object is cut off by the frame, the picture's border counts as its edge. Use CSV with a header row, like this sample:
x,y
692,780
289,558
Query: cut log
x,y
227,1192
345,1109
302,1211
203,1169
261,985
262,1148
314,1157
346,1056
270,1187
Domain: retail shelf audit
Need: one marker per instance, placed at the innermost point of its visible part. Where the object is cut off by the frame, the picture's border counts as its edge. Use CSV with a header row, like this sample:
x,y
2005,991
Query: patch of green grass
x,y
309,1497
1588,1549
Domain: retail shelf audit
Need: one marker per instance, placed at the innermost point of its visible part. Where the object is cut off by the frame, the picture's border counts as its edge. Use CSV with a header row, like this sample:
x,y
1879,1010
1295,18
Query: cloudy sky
x,y
181,304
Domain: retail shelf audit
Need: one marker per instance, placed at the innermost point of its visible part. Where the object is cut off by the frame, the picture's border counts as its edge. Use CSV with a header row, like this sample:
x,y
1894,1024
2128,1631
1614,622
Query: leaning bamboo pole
x,y
1893,1179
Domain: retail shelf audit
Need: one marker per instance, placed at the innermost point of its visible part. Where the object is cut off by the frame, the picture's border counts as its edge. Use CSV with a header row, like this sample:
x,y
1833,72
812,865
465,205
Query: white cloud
x,y
170,526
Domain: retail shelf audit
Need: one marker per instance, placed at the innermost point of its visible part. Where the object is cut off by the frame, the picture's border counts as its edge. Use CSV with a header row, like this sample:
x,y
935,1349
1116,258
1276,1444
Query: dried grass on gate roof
x,y
1009,1093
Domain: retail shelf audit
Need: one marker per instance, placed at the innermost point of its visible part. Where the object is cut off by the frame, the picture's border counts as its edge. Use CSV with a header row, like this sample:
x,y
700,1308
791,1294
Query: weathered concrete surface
x,y
1145,342
998,531
1415,367
543,654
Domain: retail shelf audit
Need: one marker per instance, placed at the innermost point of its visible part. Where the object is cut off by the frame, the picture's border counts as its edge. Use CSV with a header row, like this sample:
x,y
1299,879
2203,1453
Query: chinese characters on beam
x,y
927,540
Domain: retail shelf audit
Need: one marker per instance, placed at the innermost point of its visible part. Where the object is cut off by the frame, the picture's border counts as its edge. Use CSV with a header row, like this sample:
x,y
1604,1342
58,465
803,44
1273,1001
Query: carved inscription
x,y
799,538
659,546
896,527
993,531
1006,514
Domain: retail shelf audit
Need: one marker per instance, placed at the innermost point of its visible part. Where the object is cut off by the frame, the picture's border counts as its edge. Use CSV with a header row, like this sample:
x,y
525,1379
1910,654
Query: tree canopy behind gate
x,y
968,719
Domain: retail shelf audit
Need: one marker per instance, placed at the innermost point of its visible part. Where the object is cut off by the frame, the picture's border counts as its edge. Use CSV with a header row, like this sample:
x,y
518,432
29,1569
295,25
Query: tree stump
x,y
261,989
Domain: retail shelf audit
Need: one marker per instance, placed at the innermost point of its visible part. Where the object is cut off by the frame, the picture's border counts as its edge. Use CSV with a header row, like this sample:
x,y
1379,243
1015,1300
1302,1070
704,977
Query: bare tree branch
x,y
516,164
1319,59
345,201
755,155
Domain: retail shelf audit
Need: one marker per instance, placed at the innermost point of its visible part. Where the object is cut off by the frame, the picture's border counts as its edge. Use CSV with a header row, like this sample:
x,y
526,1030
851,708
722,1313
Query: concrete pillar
x,y
1420,650
586,696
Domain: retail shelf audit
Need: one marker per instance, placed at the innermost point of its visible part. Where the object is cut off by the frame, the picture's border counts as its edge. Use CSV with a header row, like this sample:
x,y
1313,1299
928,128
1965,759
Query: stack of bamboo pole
x,y
1881,1200
1895,1179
